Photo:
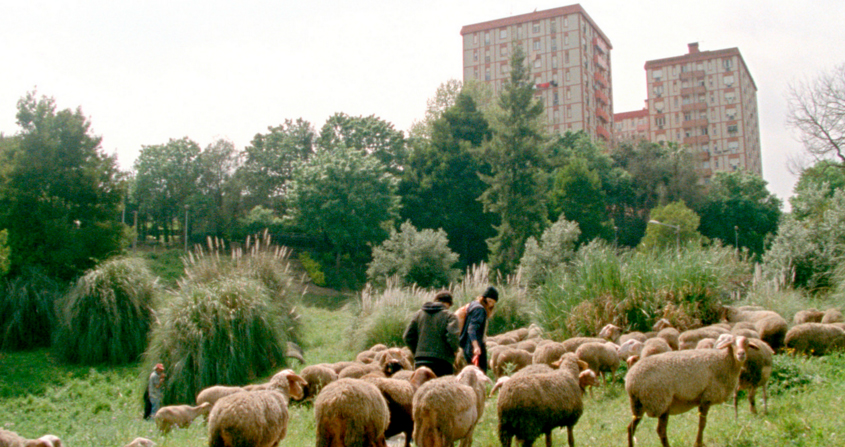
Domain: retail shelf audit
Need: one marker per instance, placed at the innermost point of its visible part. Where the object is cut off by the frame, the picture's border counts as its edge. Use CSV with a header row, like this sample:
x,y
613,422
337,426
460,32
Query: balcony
x,y
698,89
599,60
599,44
695,123
602,114
701,139
600,79
694,106
602,98
602,132
703,156
692,74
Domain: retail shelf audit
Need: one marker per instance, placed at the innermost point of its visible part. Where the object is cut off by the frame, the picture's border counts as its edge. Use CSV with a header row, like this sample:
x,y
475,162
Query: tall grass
x,y
27,311
229,320
107,315
634,289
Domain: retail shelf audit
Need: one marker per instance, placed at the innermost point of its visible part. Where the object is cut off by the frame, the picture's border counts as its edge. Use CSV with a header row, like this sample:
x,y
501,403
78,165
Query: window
x,y
567,75
554,61
733,128
553,26
657,74
658,90
475,56
535,28
566,40
503,51
555,100
729,80
554,44
687,116
503,34
733,146
503,68
658,106
566,57
568,111
487,56
660,122
486,38
704,130
730,113
566,22
487,74
568,93
475,39
537,63
727,63
730,97
536,45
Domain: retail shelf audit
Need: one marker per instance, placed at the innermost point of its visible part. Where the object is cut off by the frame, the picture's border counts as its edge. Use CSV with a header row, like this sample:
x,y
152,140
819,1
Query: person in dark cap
x,y
432,335
475,327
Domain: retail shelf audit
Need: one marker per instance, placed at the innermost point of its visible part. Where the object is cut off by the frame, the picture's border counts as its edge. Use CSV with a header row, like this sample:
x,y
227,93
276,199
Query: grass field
x,y
96,407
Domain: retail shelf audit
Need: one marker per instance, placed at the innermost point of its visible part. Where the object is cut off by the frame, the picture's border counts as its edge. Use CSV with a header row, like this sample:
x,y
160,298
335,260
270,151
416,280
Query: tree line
x,y
481,168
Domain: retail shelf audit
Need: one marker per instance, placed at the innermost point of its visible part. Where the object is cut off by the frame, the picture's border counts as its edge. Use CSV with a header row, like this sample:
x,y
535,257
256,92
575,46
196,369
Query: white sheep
x,y
141,442
601,357
214,393
530,405
755,374
815,338
675,382
351,412
12,439
447,409
256,418
179,415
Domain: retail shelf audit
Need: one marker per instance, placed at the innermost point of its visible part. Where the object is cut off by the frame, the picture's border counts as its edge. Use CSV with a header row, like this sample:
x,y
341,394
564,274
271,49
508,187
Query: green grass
x,y
102,406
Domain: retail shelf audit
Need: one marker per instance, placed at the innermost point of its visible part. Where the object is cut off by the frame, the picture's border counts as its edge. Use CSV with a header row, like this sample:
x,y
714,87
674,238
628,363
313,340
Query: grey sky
x,y
146,71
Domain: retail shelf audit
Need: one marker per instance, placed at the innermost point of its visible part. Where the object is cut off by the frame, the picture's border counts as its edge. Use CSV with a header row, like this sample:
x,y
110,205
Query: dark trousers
x,y
439,366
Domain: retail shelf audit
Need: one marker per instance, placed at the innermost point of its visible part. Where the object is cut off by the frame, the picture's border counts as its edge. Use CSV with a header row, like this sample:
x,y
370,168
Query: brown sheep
x,y
399,395
755,374
257,418
513,359
179,415
351,412
12,439
831,316
601,357
548,352
808,316
317,376
815,338
571,344
447,409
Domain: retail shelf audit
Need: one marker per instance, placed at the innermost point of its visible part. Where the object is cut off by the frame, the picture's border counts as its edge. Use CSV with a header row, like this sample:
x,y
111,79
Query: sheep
x,y
317,377
832,315
772,330
629,348
340,366
548,353
366,357
601,357
745,313
651,347
214,393
141,442
571,344
661,324
706,343
815,338
12,439
755,374
677,381
672,336
530,405
689,339
610,332
447,409
528,345
258,418
808,316
179,415
534,331
512,358
351,412
399,395
745,332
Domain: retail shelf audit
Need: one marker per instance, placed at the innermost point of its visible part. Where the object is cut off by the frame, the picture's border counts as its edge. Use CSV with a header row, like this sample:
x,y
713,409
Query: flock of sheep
x,y
540,383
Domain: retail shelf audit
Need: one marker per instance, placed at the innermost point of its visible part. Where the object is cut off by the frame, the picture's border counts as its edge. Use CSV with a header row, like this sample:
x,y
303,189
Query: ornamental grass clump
x,y
107,315
229,320
27,311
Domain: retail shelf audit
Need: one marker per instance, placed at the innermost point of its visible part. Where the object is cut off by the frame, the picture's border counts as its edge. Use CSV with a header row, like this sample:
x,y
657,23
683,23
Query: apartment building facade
x,y
706,100
631,126
569,58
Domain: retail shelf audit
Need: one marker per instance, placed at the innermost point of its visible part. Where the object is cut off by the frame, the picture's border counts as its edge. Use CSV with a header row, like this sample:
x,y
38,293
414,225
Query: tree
x,y
578,196
440,184
414,257
817,112
444,98
60,195
166,180
370,135
825,177
556,248
214,205
270,160
738,207
678,225
344,198
518,160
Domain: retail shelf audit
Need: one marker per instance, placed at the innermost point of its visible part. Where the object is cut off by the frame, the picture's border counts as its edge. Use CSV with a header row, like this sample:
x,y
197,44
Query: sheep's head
x,y
629,348
290,384
610,332
739,345
422,375
471,375
391,367
661,324
204,408
587,378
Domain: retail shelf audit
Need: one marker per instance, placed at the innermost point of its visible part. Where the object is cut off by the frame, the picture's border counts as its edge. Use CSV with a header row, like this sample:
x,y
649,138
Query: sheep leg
x,y
662,422
736,399
632,428
751,400
549,438
569,436
702,421
765,400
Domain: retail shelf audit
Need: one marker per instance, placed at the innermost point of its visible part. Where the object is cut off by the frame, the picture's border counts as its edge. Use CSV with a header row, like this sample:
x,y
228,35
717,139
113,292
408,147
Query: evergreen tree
x,y
518,160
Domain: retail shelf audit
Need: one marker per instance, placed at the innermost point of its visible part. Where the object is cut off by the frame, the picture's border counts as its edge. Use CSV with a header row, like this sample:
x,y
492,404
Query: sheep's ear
x,y
556,364
583,366
631,360
724,341
295,384
754,345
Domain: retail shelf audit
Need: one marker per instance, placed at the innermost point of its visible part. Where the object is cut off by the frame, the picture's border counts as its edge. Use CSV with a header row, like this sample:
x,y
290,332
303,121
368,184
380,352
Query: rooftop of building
x,y
534,16
695,55
630,115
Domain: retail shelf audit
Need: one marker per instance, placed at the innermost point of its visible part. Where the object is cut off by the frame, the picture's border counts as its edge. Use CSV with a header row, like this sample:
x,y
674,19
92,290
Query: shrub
x,y
556,247
634,289
414,257
27,311
107,315
312,268
227,331
383,315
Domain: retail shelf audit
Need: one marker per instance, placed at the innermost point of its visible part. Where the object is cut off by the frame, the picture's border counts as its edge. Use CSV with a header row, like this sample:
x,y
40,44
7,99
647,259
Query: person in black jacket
x,y
432,335
475,326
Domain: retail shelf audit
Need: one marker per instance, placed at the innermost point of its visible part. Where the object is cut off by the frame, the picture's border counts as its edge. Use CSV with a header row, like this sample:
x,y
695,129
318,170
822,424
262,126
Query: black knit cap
x,y
491,293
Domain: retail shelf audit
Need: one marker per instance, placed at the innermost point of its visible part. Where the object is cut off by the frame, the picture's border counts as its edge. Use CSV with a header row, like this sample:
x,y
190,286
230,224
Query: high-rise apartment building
x,y
569,58
706,100
631,126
